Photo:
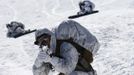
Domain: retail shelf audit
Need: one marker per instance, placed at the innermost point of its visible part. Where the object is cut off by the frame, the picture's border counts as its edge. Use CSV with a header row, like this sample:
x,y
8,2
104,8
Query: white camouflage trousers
x,y
45,69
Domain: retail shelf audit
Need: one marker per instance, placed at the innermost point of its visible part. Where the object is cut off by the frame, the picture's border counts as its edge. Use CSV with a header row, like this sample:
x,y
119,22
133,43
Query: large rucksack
x,y
79,36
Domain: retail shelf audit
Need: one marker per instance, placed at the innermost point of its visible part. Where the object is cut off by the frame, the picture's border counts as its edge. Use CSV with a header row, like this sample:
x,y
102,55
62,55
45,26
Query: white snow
x,y
113,26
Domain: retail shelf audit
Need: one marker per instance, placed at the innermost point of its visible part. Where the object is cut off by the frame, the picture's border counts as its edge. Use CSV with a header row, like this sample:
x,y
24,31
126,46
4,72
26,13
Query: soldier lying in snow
x,y
86,6
70,50
15,28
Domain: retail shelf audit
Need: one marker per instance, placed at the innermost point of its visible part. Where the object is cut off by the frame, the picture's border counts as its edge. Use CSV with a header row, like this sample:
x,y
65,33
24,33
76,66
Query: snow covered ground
x,y
113,26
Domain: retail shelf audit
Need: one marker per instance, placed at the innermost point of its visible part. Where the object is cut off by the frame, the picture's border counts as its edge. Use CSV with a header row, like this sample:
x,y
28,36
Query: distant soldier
x,y
15,28
86,6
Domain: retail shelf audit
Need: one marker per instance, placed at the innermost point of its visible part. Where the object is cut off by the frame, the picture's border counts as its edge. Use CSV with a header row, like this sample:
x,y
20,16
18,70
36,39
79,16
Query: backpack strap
x,y
57,50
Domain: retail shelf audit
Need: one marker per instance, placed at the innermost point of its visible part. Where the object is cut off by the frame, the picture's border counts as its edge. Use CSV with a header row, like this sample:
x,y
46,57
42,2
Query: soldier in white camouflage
x,y
70,50
15,28
86,6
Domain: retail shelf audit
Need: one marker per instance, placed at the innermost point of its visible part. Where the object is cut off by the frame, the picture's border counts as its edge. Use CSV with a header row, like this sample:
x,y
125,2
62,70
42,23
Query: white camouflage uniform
x,y
67,29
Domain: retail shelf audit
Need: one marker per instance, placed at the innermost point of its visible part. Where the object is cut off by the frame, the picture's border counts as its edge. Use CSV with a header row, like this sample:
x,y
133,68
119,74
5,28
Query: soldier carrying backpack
x,y
70,51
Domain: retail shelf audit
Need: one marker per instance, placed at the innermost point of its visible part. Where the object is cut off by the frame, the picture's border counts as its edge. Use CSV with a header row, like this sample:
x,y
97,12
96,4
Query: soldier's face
x,y
44,41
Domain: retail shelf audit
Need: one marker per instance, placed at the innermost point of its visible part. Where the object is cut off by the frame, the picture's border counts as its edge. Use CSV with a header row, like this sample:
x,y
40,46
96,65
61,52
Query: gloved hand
x,y
38,63
44,56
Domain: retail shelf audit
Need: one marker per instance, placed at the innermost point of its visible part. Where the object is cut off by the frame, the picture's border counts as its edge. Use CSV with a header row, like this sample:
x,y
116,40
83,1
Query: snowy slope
x,y
113,26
